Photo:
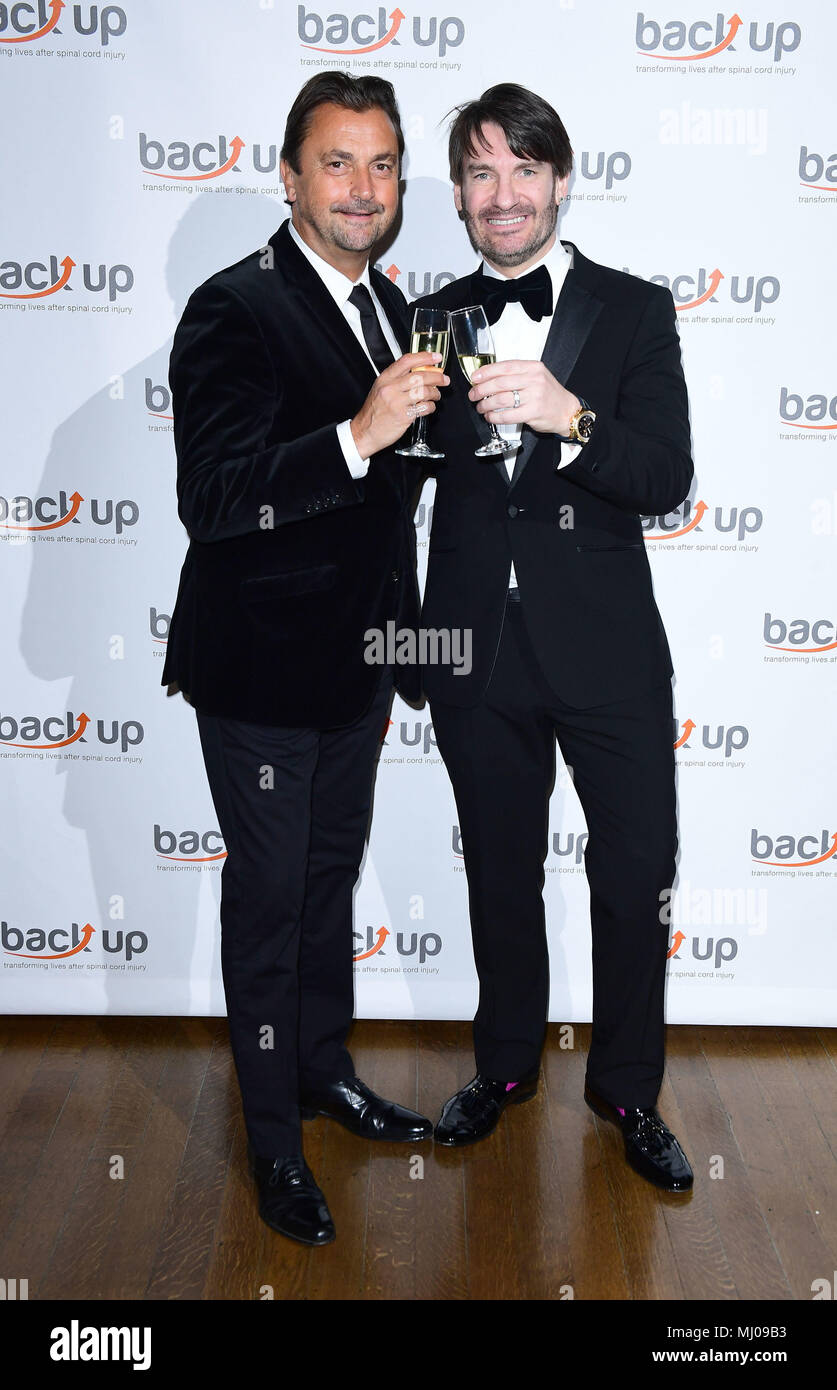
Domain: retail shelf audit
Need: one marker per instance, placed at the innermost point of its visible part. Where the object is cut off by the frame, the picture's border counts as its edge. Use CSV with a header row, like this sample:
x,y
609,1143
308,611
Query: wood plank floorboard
x,y
123,1173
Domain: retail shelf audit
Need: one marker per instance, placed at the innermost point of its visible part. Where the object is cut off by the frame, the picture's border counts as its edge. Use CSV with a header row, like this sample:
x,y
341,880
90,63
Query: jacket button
x,y
396,574
512,509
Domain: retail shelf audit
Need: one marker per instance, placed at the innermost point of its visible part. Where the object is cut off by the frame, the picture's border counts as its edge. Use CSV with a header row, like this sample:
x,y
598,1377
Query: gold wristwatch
x,y
581,424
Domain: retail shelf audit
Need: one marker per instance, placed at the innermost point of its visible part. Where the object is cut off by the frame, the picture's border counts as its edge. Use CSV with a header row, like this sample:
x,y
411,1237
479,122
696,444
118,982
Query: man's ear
x,y
457,196
288,178
561,188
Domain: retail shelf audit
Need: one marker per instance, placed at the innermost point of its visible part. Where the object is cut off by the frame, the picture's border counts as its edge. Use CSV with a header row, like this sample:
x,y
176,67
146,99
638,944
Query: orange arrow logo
x,y
392,272
380,938
83,722
824,187
734,26
236,145
679,938
67,263
76,499
714,281
396,16
86,934
700,511
829,647
56,6
795,424
688,729
191,858
803,863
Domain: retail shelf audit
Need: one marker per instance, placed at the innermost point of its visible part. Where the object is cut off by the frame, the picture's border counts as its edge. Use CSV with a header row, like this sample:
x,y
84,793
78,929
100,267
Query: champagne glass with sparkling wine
x,y
431,331
474,347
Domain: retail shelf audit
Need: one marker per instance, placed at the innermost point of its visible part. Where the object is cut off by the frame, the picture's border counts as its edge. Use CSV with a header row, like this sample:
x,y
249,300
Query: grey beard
x,y
511,258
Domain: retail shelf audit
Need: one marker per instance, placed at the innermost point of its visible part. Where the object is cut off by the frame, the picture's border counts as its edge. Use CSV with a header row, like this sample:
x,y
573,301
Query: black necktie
x,y
533,291
377,344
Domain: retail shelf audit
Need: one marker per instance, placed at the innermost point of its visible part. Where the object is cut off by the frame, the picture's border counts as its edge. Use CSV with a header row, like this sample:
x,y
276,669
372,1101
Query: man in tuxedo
x,y
290,387
539,551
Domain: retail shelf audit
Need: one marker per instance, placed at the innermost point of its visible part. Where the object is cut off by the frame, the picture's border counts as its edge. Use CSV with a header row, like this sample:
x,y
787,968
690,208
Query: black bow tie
x,y
533,291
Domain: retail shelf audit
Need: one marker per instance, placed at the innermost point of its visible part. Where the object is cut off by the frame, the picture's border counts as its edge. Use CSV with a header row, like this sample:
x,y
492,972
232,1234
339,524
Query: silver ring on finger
x,y
516,395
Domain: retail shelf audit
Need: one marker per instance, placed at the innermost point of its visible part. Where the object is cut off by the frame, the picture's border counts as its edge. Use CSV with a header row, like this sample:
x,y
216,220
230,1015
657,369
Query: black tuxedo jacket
x,y
574,535
290,559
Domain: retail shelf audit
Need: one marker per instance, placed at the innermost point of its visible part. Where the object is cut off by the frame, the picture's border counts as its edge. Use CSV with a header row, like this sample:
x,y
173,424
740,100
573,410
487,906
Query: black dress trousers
x,y
500,756
293,807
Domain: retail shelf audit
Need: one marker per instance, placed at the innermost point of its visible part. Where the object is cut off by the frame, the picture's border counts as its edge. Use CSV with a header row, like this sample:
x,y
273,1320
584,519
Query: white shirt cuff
x,y
568,453
357,466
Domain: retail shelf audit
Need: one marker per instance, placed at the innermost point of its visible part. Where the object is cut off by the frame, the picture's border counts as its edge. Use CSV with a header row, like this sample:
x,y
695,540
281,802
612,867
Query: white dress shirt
x,y
340,287
517,337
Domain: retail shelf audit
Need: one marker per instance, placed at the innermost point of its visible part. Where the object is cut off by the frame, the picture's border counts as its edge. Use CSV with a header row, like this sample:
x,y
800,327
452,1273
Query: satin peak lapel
x,y
575,313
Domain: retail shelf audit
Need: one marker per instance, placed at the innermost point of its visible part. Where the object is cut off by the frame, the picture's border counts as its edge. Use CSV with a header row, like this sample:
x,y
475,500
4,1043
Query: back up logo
x,y
26,23
348,35
690,291
793,851
814,168
39,279
798,632
371,943
736,522
678,41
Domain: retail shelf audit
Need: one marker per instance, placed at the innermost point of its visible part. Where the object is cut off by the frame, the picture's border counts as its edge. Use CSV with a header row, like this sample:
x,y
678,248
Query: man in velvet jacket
x,y
290,388
539,551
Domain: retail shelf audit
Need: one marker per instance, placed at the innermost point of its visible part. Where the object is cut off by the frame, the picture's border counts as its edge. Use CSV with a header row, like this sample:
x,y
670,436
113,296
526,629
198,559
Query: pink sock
x,y
619,1108
510,1085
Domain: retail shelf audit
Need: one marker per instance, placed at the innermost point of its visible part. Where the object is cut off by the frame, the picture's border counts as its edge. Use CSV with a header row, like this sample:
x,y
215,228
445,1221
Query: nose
x,y
361,184
505,195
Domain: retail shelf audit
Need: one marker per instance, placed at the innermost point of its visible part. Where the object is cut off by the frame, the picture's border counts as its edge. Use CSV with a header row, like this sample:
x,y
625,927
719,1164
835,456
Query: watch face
x,y
585,425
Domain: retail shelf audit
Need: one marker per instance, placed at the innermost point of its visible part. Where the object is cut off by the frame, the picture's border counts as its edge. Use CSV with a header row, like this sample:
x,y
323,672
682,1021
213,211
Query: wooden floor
x,y
543,1207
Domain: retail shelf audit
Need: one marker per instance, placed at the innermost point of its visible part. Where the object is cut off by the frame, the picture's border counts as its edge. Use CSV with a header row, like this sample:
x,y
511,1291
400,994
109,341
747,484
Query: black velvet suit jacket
x,y
290,559
574,535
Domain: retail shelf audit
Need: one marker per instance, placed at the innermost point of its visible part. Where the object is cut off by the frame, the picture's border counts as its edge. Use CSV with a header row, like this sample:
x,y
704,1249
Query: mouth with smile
x,y
358,214
507,222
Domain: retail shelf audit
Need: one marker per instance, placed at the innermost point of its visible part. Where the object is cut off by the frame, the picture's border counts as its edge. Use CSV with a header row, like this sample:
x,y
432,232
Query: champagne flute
x,y
474,347
430,333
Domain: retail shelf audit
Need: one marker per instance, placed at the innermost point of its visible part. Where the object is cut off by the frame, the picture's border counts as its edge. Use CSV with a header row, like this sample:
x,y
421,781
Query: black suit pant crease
x,y
293,808
500,756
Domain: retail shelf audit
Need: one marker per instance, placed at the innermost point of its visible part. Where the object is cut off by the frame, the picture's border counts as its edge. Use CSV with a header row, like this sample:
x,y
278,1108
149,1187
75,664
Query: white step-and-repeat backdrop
x,y
141,154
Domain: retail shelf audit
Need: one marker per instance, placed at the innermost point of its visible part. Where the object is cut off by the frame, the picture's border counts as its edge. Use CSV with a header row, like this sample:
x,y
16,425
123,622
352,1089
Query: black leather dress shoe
x,y
650,1147
359,1110
475,1110
290,1200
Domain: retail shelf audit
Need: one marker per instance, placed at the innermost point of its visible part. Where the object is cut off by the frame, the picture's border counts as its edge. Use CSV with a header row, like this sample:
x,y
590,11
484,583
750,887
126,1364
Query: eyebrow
x,y
347,154
476,167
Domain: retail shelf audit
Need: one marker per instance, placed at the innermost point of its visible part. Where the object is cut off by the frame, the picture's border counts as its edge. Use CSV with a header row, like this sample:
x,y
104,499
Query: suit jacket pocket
x,y
289,584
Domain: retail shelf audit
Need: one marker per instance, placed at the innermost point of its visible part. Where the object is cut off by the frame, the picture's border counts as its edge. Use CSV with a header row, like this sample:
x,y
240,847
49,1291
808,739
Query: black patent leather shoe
x,y
290,1200
359,1110
650,1147
475,1111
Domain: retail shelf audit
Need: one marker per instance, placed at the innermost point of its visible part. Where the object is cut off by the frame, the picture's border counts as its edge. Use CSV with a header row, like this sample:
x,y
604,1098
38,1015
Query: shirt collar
x,y
558,261
338,285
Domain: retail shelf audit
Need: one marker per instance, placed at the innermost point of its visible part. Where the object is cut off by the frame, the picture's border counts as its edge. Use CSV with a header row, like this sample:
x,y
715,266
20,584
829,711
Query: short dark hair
x,y
533,129
338,89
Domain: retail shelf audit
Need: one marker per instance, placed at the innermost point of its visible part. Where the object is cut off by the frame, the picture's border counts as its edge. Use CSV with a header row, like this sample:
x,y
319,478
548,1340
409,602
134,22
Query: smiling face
x,y
345,195
509,205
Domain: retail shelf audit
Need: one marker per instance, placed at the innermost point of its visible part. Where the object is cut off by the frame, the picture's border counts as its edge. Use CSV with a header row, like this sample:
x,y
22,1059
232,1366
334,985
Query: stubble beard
x,y
335,232
545,224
